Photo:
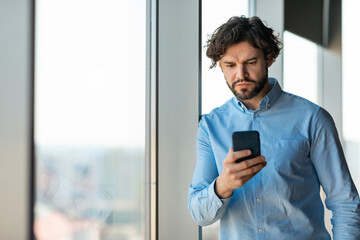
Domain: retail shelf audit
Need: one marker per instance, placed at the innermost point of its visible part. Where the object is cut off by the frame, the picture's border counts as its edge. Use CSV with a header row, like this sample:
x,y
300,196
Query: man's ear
x,y
269,62
220,66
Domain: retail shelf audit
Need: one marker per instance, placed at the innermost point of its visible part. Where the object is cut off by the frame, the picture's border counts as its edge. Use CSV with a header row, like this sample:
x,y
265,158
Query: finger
x,y
241,182
229,154
251,171
240,154
244,179
258,171
250,162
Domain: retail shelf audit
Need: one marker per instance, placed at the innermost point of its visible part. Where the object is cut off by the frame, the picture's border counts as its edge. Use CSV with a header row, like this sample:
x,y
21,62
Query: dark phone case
x,y
246,140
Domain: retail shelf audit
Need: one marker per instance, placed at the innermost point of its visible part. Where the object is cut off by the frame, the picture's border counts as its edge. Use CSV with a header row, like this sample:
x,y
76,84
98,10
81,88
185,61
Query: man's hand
x,y
235,175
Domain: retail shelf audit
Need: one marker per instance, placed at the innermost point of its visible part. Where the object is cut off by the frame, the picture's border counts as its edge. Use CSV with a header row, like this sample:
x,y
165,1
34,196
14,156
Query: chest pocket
x,y
292,156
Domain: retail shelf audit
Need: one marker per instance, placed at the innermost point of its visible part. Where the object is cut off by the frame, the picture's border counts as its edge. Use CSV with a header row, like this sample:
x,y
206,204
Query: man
x,y
274,196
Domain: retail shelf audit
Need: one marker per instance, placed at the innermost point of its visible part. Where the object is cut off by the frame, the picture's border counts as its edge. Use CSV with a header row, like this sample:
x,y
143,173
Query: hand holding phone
x,y
235,174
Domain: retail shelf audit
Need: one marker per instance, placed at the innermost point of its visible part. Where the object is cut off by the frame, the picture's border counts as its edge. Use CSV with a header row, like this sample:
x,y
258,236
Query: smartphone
x,y
246,140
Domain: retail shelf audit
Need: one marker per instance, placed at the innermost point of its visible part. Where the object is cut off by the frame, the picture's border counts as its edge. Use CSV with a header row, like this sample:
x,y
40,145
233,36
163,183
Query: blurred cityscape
x,y
92,193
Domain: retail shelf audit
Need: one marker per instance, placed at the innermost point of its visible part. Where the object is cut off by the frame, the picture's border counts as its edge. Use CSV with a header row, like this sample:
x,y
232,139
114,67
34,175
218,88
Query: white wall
x,y
178,115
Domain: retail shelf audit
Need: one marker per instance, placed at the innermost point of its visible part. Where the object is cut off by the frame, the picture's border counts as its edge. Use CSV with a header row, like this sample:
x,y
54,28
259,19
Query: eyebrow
x,y
251,59
247,60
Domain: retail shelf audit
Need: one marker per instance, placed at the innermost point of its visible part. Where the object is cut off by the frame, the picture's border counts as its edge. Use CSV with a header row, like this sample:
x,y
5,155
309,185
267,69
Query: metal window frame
x,y
16,91
151,129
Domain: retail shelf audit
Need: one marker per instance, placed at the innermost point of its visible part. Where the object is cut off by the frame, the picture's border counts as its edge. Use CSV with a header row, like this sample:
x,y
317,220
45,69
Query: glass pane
x,y
90,119
301,67
350,87
214,90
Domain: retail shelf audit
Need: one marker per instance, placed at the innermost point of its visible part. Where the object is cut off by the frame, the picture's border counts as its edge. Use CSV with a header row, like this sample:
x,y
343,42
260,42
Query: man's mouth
x,y
243,83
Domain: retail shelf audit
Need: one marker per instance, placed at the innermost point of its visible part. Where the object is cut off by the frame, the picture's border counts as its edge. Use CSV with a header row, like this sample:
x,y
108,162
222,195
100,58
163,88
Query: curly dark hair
x,y
239,29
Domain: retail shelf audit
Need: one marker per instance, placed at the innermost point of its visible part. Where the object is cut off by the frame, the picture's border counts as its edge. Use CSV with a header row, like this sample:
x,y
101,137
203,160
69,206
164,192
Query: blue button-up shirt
x,y
301,146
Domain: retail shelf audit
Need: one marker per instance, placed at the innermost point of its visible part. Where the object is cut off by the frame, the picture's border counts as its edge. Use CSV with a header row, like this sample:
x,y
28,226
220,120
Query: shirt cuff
x,y
219,202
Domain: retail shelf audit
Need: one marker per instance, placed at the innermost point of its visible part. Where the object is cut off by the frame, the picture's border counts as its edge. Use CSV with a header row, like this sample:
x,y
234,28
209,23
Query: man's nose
x,y
241,72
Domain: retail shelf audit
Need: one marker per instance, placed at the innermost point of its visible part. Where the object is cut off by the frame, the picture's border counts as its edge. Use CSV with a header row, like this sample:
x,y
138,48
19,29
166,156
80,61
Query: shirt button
x,y
256,114
268,105
219,204
258,200
260,230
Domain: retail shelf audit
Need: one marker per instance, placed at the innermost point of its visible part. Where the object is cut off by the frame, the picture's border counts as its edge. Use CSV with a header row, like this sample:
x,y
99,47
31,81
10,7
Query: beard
x,y
246,94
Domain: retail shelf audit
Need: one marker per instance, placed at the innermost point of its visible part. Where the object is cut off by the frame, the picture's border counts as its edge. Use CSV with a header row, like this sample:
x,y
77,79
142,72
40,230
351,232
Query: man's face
x,y
245,70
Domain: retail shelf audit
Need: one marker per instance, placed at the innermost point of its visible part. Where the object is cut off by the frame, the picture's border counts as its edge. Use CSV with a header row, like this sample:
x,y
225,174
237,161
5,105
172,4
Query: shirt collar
x,y
269,99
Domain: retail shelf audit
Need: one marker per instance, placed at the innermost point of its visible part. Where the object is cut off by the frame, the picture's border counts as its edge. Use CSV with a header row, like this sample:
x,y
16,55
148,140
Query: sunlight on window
x,y
301,67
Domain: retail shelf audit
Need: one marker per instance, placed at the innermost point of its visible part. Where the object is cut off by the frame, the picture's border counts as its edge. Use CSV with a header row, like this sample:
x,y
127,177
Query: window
x,y
214,89
90,119
301,70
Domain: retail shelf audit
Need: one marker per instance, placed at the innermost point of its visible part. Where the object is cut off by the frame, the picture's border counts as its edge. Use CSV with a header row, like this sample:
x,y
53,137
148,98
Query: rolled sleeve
x,y
205,206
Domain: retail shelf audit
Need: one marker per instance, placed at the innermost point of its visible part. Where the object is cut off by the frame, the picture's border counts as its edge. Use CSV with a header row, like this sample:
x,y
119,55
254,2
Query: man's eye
x,y
229,65
252,63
